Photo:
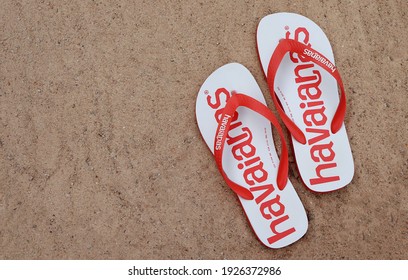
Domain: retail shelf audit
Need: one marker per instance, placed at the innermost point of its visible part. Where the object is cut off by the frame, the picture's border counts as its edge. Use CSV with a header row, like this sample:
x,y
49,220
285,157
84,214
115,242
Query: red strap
x,y
289,45
235,101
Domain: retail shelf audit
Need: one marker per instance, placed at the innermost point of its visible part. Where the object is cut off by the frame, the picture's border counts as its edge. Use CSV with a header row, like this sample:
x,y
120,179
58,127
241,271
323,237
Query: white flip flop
x,y
235,123
298,61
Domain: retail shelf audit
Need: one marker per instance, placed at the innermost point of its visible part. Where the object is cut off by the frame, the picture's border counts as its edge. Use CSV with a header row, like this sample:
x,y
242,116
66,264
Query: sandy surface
x,y
101,156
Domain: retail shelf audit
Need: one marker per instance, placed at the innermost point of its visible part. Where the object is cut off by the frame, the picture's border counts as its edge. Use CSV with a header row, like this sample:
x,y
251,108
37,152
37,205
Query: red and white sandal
x,y
303,80
235,123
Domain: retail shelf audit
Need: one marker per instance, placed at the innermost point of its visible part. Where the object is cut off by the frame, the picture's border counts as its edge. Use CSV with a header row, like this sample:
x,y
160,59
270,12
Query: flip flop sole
x,y
325,162
278,218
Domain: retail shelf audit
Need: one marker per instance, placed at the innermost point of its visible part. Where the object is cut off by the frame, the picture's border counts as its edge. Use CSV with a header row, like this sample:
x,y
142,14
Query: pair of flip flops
x,y
233,118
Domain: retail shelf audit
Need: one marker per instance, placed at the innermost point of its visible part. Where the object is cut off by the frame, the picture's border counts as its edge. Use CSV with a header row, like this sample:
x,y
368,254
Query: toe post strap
x,y
310,54
241,100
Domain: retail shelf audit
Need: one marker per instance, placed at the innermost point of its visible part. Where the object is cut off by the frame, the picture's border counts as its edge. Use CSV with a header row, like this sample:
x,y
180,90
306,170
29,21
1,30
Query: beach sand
x,y
101,156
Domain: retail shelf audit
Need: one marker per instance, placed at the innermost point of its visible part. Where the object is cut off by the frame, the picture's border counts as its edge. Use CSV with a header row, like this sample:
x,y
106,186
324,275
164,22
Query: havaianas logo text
x,y
254,173
313,115
323,60
221,132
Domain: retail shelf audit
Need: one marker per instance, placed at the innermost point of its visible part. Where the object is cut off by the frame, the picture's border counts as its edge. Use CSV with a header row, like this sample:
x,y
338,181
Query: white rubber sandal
x,y
298,62
235,123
